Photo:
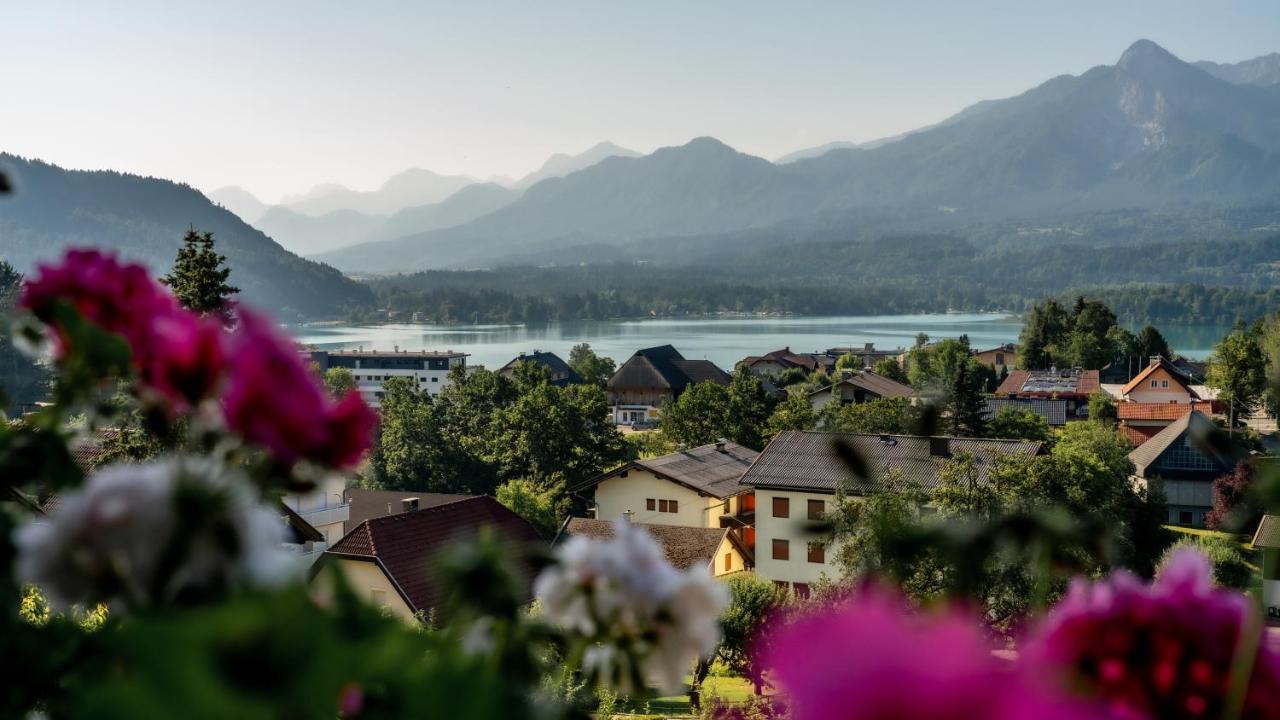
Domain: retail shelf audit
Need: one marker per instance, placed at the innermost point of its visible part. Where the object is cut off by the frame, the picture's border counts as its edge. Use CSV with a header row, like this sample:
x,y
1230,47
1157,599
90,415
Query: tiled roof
x,y
1158,411
685,547
1268,532
1197,424
367,504
785,358
713,469
1168,367
664,367
1049,382
406,545
1053,411
804,460
1139,434
880,385
701,371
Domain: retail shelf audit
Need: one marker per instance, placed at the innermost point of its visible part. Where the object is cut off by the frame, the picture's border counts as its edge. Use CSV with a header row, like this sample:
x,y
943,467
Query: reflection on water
x,y
724,341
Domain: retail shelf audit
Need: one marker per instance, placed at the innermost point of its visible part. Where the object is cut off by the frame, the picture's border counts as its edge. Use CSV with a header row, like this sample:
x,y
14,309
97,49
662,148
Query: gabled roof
x,y
1159,364
1050,382
805,460
1006,348
406,545
1159,411
873,383
368,504
785,358
1268,533
711,469
1053,411
664,367
1139,434
1197,426
685,547
549,360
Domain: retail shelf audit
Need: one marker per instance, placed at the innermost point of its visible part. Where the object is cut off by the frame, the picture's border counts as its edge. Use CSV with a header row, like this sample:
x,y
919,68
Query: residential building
x,y
371,368
773,364
858,387
1074,385
1159,382
1267,539
697,487
1053,411
796,476
865,356
325,507
717,549
1142,421
654,376
1183,459
368,504
388,560
557,369
301,538
1001,357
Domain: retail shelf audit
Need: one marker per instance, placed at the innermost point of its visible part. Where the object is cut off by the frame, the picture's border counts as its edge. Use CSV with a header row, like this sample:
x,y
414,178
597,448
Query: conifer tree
x,y
966,405
199,275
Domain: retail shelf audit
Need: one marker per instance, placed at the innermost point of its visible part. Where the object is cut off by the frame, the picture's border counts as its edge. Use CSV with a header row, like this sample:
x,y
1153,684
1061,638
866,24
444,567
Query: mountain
x,y
410,188
239,201
1264,70
816,151
144,219
467,204
561,164
306,234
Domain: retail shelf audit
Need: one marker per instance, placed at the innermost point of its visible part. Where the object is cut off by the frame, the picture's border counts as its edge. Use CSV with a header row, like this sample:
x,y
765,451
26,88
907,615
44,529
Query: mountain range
x,y
1150,131
144,219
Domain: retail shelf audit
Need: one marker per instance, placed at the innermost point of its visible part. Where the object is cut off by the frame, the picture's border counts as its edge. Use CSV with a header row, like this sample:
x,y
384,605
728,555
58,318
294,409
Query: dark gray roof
x,y
685,547
549,360
1054,412
1197,427
664,367
803,460
709,469
1268,533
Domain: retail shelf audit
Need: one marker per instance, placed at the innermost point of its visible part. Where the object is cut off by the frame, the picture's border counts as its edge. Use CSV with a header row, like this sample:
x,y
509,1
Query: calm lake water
x,y
724,341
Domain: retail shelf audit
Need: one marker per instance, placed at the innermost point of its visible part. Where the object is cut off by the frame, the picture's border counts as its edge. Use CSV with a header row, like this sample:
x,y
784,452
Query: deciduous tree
x,y
591,367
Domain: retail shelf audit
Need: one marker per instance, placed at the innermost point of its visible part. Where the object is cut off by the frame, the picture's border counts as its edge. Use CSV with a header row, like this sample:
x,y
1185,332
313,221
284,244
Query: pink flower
x,y
1158,651
869,658
117,297
185,361
273,400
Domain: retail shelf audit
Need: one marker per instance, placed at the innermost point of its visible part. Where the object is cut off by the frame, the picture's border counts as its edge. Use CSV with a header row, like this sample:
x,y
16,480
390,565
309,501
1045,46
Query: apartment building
x,y
371,368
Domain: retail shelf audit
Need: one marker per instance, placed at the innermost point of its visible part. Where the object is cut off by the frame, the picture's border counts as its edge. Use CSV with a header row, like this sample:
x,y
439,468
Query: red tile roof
x,y
1141,433
405,545
1158,411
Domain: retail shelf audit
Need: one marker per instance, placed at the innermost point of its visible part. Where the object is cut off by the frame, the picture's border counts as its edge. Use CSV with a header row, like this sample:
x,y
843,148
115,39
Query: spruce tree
x,y
966,405
199,275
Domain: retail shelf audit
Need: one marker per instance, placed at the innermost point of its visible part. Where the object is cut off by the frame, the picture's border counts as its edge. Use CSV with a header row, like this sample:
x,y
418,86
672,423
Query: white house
x,y
325,507
371,368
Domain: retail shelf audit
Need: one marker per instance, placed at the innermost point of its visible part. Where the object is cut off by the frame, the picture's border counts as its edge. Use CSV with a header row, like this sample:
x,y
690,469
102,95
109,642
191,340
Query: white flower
x,y
624,597
139,534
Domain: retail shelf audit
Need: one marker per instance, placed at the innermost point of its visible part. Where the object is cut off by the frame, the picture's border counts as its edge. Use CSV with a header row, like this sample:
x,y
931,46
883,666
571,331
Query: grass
x,y
730,689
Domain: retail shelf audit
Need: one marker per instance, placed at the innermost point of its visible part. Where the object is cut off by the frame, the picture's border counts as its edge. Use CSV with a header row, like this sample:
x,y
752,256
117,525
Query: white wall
x,y
793,528
364,578
737,563
617,495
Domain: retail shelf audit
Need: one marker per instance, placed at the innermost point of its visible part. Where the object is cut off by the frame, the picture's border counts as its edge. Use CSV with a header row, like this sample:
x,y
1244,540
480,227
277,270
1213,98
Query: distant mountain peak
x,y
1145,55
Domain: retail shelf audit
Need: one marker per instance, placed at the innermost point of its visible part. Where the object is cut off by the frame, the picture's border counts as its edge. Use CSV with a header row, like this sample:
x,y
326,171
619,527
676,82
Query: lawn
x,y
731,689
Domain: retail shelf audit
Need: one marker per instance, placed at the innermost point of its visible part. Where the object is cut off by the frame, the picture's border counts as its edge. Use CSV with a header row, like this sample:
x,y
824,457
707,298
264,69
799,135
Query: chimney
x,y
940,447
409,505
1155,360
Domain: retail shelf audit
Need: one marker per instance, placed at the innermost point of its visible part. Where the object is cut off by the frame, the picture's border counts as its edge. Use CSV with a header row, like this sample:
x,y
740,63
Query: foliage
x,y
650,443
892,369
752,601
22,380
882,416
409,453
339,381
706,412
793,413
591,367
1018,423
965,403
1150,343
1230,567
1235,505
542,507
1238,371
199,275
1102,407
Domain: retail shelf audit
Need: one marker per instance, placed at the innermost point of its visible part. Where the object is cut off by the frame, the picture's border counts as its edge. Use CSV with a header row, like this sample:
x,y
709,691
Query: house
x,y
367,504
1159,382
859,387
1183,459
371,368
557,369
1142,421
697,487
796,476
1001,357
324,507
865,356
771,365
716,549
1053,411
654,376
1074,385
1267,539
388,560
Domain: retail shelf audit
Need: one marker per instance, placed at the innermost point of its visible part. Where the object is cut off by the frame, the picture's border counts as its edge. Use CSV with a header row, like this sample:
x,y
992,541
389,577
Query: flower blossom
x,y
175,528
644,618
272,399
869,658
1163,650
185,362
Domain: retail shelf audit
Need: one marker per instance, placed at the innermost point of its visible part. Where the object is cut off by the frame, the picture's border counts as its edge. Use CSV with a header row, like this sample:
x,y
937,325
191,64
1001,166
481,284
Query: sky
x,y
279,96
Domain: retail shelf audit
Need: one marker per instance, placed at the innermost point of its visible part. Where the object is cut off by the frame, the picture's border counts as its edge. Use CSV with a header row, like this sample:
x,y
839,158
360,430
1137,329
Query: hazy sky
x,y
277,96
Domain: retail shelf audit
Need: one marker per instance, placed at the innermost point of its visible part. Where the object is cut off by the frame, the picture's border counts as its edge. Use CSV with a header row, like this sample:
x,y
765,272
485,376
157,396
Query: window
x,y
781,550
662,506
378,597
1153,383
1184,517
801,590
1164,383
650,504
674,505
435,379
817,553
781,507
816,509
728,562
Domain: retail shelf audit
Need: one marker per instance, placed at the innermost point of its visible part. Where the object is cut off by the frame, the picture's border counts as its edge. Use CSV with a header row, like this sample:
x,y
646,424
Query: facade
x,y
387,560
558,370
1159,382
859,387
1002,357
1142,421
773,364
654,376
1074,385
1183,460
716,549
866,355
372,368
796,476
325,508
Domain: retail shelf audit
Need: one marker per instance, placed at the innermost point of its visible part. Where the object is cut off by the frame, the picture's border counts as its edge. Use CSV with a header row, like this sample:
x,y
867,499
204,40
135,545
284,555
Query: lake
x,y
723,340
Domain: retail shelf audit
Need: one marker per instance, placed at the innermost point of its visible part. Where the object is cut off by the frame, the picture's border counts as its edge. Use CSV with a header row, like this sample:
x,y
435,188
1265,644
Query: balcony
x,y
319,517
